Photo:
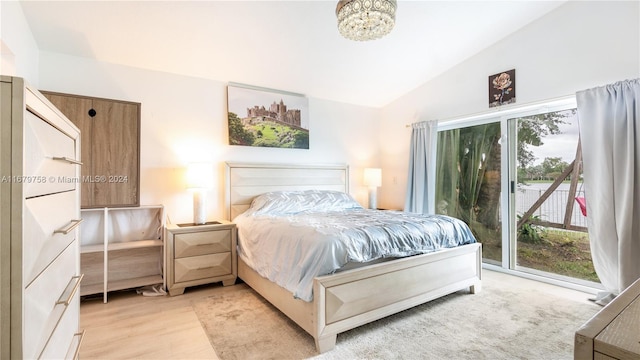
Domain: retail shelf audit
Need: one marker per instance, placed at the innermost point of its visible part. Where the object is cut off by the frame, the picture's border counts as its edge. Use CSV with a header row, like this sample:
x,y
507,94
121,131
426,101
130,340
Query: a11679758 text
x,y
41,179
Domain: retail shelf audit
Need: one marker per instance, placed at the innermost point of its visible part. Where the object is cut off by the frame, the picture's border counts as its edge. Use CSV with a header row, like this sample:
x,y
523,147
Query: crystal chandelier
x,y
365,19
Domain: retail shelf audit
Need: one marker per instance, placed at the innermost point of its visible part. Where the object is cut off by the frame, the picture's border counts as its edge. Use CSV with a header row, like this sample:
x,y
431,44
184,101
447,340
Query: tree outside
x,y
238,135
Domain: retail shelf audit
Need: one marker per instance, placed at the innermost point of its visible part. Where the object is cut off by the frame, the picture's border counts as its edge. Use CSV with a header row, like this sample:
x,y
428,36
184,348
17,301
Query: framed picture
x,y
502,88
267,118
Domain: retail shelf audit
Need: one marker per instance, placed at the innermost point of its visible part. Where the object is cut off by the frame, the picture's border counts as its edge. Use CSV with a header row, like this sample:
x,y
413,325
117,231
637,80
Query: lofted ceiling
x,y
286,45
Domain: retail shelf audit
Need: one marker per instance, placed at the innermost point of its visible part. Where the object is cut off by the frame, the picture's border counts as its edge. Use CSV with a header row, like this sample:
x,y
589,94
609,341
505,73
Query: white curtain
x,y
421,180
610,134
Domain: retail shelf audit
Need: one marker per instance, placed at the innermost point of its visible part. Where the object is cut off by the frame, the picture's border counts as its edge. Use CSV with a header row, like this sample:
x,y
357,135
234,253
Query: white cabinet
x,y
39,219
121,248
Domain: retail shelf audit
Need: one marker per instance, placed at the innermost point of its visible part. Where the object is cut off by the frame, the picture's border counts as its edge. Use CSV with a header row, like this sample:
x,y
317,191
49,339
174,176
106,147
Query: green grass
x,y
562,252
559,251
272,134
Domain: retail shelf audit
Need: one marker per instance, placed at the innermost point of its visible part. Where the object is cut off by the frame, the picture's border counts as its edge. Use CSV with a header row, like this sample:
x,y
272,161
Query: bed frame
x,y
350,298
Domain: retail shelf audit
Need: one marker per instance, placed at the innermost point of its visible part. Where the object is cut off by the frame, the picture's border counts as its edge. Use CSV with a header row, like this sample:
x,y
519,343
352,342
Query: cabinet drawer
x,y
202,267
59,345
42,310
49,157
44,230
200,243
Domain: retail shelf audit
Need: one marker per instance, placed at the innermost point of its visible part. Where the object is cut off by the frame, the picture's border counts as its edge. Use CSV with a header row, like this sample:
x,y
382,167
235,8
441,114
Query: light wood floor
x,y
134,326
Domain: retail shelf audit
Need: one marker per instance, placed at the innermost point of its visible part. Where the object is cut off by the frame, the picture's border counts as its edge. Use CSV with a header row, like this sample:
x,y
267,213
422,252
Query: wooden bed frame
x,y
350,298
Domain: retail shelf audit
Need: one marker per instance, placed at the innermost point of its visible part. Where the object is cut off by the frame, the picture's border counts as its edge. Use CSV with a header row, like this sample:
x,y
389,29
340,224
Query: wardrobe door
x,y
77,109
110,148
115,147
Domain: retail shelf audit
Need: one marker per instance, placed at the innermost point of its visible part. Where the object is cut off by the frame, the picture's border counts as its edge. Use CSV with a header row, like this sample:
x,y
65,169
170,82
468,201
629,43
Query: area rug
x,y
497,323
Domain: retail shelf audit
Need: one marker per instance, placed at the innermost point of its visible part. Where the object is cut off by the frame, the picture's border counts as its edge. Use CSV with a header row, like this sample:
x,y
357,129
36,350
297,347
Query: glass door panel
x,y
468,182
547,179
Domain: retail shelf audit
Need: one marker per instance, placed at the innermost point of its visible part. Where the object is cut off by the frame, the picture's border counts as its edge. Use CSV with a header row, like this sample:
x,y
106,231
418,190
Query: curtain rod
x,y
502,110
420,122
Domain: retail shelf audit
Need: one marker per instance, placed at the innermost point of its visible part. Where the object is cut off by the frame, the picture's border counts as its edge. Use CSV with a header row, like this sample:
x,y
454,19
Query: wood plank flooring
x,y
132,326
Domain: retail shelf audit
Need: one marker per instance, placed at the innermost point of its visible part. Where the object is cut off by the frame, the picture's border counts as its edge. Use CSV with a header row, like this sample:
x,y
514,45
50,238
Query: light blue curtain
x,y
421,179
610,134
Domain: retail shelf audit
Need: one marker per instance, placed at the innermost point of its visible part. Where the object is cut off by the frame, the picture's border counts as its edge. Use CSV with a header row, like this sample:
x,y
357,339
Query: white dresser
x,y
40,214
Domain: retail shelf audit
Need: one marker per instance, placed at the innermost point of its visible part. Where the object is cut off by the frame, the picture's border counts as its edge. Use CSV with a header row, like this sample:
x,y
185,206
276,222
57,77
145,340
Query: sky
x,y
562,145
240,98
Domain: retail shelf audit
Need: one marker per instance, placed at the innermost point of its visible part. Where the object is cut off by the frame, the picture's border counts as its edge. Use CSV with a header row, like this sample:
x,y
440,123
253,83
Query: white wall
x,y
18,48
184,119
579,45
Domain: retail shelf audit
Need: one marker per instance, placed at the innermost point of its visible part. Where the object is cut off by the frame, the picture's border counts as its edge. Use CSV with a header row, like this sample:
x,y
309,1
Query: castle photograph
x,y
267,118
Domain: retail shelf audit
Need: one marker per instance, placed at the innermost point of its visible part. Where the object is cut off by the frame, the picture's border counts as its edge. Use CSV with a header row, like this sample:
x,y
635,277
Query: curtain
x,y
610,133
421,179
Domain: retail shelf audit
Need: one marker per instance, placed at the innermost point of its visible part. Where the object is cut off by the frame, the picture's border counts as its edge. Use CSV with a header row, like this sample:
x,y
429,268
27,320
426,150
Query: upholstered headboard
x,y
244,181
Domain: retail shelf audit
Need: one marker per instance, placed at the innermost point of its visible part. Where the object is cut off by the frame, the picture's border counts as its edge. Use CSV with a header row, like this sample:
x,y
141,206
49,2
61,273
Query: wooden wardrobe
x,y
110,148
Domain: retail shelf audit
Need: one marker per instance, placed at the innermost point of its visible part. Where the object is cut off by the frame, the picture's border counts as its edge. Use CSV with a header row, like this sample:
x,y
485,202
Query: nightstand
x,y
200,254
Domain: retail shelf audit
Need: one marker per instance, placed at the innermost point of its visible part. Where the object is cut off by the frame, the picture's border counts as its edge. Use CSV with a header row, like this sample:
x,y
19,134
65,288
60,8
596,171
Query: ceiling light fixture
x,y
363,20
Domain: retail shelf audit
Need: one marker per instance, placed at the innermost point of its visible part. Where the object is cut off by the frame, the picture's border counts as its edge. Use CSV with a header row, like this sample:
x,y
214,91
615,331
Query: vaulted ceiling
x,y
285,45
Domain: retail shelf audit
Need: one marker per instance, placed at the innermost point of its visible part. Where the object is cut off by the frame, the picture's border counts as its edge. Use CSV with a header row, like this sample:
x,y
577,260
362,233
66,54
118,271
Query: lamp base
x,y
199,207
373,201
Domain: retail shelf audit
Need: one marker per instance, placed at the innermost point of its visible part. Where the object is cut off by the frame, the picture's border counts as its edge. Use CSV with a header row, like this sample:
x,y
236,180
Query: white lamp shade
x,y
373,177
199,176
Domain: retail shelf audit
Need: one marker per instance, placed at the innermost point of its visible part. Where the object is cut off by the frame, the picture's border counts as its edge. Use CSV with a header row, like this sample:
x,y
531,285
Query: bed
x,y
349,298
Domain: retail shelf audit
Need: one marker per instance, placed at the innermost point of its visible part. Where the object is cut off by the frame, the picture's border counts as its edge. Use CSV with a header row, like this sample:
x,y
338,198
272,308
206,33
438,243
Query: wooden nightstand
x,y
200,254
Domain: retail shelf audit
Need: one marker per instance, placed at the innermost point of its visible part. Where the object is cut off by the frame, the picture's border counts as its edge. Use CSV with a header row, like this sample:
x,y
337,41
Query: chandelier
x,y
363,20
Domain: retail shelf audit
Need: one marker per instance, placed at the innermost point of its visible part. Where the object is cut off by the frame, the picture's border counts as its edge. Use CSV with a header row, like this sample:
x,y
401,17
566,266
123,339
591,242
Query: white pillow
x,y
293,202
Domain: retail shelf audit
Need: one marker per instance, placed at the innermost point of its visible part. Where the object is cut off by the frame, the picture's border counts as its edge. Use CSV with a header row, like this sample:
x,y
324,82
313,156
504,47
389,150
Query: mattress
x,y
292,237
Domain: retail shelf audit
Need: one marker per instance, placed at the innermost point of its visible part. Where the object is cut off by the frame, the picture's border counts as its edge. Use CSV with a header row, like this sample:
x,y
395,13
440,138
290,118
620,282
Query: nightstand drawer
x,y
201,267
201,243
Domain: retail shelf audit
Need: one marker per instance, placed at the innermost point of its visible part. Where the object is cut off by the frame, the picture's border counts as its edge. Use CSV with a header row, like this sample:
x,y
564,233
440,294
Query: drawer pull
x,y
204,268
66,159
72,225
77,352
72,292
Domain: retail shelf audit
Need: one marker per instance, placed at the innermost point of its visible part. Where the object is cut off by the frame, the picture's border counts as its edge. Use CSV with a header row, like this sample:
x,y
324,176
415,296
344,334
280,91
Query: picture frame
x,y
264,117
502,88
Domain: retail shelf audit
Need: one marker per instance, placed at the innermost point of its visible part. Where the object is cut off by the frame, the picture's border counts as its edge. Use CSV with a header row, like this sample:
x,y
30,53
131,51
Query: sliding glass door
x,y
513,177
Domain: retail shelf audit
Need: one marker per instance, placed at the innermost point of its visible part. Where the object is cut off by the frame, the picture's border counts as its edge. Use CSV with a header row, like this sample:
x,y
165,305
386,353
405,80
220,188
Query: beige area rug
x,y
497,323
